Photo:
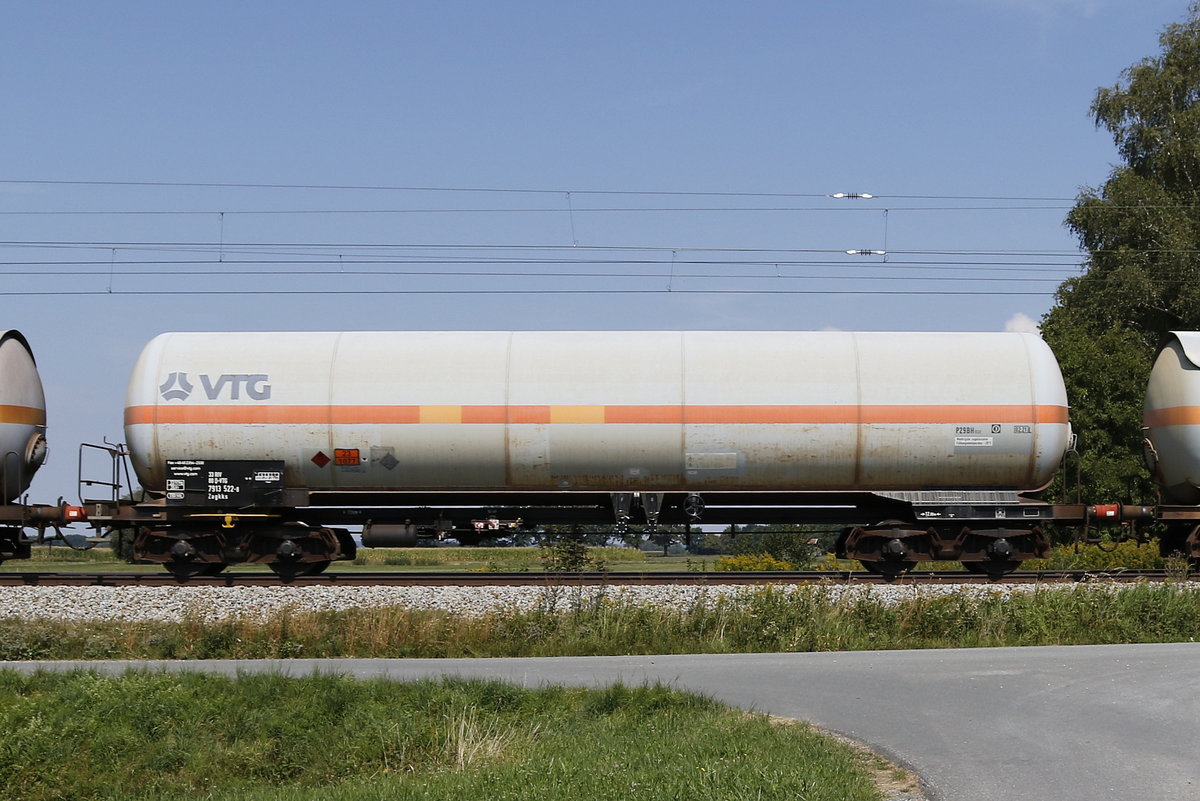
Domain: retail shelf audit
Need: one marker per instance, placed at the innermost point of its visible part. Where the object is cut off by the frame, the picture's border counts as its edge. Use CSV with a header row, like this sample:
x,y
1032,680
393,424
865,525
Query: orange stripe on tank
x,y
528,414
588,415
736,415
485,414
671,415
363,415
1052,414
964,414
1173,416
238,415
22,415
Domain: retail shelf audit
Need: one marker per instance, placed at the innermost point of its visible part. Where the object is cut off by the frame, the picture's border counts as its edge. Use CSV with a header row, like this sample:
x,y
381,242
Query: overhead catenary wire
x,y
282,260
483,274
504,190
140,292
509,210
156,262
990,266
342,246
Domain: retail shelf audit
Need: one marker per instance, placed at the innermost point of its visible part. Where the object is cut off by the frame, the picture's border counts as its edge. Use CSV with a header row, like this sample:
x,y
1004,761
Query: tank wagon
x,y
1171,427
22,416
22,447
260,446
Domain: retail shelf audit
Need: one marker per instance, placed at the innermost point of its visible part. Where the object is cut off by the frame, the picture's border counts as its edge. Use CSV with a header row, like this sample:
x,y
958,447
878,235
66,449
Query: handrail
x,y
116,452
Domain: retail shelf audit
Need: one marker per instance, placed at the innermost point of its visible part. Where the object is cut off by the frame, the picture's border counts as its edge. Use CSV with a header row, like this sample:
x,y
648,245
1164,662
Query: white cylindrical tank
x,y
22,416
606,411
1171,417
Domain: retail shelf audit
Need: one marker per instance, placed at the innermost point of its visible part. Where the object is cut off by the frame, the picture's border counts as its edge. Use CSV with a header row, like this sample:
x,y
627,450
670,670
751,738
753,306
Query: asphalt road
x,y
1084,723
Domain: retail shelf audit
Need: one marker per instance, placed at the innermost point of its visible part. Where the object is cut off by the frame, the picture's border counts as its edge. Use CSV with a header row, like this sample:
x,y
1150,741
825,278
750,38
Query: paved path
x,y
1087,723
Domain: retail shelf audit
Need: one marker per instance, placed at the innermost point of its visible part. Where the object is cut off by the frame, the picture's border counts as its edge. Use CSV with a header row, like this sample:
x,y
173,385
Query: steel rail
x,y
482,579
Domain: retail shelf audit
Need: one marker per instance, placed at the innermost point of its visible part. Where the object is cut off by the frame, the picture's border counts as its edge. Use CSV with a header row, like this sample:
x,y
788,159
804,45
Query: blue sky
x,y
681,146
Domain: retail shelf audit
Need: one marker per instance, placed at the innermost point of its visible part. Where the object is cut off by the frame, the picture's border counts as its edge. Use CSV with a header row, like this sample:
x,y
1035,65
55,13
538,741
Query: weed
x,y
751,561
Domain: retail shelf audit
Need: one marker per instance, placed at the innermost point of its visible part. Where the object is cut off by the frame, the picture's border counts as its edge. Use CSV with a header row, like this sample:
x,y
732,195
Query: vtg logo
x,y
178,387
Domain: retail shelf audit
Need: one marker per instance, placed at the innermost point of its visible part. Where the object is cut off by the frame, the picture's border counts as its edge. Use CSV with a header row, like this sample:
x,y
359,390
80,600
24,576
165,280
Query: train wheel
x,y
315,568
890,569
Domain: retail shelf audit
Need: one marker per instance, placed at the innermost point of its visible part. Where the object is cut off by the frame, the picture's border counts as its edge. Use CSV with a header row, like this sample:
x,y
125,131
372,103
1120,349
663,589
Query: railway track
x,y
479,579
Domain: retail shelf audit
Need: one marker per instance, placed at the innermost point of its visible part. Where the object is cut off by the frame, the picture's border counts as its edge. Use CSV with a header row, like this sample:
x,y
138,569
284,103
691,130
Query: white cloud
x,y
1022,323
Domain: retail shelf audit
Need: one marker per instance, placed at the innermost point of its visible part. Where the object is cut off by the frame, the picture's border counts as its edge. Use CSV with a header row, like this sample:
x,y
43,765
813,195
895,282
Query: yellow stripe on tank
x,y
576,414
440,414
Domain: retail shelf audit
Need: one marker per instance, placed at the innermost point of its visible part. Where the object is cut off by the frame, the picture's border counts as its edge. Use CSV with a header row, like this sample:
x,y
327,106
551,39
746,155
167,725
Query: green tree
x,y
1141,231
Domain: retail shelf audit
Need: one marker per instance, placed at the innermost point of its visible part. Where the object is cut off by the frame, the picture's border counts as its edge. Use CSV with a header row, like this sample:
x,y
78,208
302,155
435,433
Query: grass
x,y
165,736
571,623
63,554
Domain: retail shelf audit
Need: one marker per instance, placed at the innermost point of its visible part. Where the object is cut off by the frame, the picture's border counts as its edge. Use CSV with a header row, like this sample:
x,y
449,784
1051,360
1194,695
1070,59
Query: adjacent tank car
x,y
924,444
1171,426
22,436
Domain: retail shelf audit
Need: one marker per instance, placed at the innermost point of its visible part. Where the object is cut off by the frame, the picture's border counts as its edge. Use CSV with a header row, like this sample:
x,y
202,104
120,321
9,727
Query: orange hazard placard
x,y
346,457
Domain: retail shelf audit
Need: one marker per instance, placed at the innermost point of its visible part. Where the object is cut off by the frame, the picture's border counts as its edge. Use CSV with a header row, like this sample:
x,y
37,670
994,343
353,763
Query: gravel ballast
x,y
219,603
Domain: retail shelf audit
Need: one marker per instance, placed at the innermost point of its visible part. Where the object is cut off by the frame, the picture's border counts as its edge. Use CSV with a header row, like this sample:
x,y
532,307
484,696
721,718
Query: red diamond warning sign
x,y
320,460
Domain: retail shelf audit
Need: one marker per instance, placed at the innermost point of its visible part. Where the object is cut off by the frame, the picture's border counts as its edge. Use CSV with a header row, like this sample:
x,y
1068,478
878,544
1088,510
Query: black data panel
x,y
224,483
